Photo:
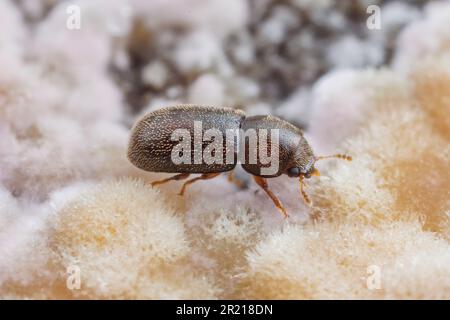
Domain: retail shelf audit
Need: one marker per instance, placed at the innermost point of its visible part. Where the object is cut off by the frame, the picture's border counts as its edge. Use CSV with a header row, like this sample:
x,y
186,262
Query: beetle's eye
x,y
293,172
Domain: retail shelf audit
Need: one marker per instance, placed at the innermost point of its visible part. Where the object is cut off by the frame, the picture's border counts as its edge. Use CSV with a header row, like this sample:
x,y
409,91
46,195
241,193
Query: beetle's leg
x,y
262,182
176,177
302,191
204,176
232,179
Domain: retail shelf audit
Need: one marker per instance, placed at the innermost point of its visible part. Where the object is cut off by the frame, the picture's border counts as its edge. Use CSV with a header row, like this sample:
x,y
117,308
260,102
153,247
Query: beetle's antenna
x,y
304,194
339,156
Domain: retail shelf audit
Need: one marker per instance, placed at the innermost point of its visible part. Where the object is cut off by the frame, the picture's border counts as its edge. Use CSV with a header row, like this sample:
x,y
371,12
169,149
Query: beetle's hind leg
x,y
176,177
204,176
262,182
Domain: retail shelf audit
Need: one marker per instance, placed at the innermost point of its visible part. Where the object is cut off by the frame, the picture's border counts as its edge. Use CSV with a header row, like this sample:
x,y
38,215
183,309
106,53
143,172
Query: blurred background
x,y
260,55
366,77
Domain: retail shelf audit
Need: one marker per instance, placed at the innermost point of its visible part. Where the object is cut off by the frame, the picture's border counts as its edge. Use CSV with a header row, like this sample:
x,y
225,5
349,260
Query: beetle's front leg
x,y
262,182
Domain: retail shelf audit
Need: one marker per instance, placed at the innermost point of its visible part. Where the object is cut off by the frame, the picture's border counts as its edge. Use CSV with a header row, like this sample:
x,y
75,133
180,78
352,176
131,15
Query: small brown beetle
x,y
152,145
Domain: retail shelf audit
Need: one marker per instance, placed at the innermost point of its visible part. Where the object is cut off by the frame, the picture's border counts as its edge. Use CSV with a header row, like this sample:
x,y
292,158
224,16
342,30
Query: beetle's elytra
x,y
153,143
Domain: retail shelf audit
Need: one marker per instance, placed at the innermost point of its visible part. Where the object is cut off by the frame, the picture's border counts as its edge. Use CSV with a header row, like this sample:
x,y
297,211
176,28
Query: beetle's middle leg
x,y
176,177
262,182
237,182
204,176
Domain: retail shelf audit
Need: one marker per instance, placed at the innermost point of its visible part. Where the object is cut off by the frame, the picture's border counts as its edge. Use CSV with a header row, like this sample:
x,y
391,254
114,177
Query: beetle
x,y
152,144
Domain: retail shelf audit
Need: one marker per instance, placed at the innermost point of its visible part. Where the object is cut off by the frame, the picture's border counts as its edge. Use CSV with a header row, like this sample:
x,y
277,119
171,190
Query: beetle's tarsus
x,y
204,176
262,182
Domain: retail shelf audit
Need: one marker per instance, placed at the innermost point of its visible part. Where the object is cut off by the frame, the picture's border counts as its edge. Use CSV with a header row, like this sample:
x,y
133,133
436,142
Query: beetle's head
x,y
303,163
306,170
